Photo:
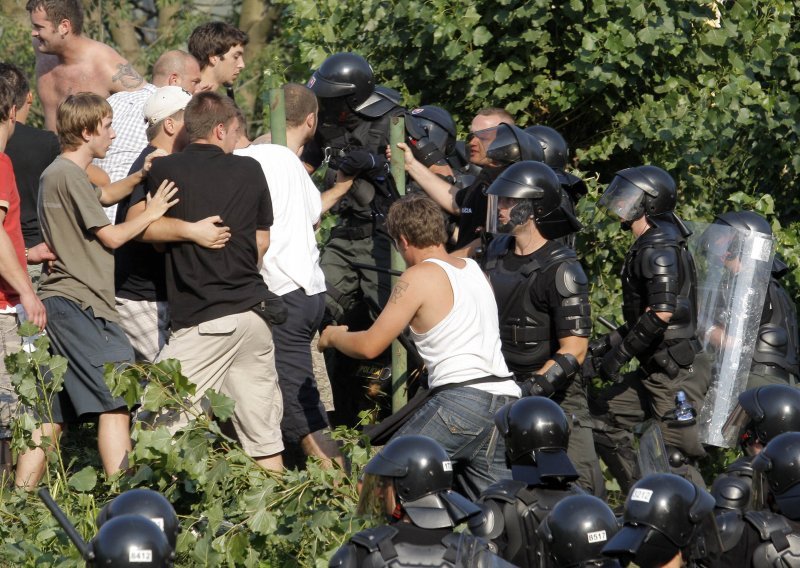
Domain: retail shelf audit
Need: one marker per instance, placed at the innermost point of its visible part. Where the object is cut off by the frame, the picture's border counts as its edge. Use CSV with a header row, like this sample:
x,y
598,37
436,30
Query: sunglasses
x,y
484,134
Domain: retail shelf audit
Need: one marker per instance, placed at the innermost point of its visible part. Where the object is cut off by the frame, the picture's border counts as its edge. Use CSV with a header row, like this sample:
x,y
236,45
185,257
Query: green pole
x,y
399,357
277,116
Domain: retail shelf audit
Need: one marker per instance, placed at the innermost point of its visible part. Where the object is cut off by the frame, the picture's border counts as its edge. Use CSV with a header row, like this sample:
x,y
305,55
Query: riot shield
x,y
733,272
651,452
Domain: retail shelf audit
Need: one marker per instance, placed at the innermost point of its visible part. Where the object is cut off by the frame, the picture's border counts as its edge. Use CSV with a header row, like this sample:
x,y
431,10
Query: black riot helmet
x,y
537,188
536,433
556,150
643,190
763,413
576,530
344,75
421,475
147,503
131,541
747,221
780,464
666,514
431,134
512,145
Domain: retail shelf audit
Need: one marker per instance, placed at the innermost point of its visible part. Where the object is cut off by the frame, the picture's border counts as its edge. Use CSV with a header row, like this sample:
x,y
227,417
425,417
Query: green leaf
x,y
222,406
84,480
481,35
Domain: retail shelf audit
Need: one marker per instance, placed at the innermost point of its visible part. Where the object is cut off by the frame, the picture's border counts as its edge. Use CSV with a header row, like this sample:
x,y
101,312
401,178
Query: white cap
x,y
164,102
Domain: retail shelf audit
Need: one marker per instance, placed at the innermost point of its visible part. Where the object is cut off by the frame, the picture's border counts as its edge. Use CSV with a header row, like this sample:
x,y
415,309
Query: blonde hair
x,y
79,112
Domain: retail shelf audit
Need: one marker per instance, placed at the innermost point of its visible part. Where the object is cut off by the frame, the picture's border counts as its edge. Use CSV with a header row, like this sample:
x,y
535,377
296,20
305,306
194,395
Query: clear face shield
x,y
735,429
623,199
377,498
499,213
481,139
504,148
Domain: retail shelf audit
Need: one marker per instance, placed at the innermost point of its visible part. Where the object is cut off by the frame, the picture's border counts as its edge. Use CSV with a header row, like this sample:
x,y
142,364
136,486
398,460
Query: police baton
x,y
610,325
72,533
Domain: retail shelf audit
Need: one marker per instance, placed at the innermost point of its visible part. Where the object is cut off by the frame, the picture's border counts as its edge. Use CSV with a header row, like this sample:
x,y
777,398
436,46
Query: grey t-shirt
x,y
69,210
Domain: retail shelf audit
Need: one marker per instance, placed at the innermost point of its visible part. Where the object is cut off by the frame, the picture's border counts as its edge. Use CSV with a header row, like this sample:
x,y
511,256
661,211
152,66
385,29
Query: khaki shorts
x,y
235,356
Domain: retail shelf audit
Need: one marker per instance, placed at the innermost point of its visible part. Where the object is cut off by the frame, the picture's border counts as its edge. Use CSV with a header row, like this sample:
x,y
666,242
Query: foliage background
x,y
705,89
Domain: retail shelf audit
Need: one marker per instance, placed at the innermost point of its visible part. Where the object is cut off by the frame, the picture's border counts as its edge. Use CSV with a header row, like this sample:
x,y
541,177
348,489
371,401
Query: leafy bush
x,y
232,512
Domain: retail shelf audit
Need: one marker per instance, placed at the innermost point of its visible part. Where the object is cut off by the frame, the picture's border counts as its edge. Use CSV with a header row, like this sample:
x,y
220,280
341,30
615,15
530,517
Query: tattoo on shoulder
x,y
127,76
399,289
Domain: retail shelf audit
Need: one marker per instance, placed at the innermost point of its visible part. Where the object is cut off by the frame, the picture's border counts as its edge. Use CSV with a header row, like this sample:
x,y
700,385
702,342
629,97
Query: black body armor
x,y
374,548
528,335
514,510
777,344
659,273
780,541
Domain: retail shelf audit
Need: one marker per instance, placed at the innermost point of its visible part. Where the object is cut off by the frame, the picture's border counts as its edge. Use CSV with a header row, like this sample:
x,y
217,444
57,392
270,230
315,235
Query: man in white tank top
x,y
450,307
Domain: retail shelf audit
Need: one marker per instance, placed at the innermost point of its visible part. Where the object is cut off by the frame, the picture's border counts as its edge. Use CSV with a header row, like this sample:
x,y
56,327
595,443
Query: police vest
x,y
525,331
457,550
521,509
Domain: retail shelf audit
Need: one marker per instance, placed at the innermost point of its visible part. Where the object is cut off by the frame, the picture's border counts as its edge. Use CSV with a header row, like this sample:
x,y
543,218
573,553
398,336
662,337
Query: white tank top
x,y
465,345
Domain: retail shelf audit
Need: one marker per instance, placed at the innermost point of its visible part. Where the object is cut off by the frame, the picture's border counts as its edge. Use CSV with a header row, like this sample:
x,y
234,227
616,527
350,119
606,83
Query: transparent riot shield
x,y
651,452
733,272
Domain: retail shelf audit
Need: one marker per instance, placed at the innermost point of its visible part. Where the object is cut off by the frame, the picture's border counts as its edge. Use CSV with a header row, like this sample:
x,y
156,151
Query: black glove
x,y
613,361
539,386
360,161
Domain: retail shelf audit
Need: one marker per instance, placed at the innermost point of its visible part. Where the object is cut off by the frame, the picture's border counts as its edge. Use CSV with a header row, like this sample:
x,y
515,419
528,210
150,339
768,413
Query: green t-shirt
x,y
69,210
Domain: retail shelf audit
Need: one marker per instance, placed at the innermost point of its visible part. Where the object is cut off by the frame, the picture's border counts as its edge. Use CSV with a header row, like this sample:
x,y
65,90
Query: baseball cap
x,y
164,102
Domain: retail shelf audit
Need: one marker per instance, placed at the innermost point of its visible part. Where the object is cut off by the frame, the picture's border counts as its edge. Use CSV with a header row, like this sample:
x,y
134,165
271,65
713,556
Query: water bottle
x,y
684,411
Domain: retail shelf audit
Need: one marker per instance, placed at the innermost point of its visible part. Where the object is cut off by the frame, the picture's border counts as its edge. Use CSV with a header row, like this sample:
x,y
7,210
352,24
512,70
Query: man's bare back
x,y
93,67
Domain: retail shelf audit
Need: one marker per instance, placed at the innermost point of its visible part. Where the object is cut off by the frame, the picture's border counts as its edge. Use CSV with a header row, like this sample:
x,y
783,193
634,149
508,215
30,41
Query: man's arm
x,y
114,236
405,301
332,196
17,277
206,232
437,189
124,77
262,242
119,190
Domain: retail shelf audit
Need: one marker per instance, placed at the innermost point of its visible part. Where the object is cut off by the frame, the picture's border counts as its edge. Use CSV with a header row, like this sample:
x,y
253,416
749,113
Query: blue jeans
x,y
462,421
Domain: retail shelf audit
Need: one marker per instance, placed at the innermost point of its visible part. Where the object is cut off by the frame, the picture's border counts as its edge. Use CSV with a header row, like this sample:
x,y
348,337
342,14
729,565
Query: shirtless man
x,y
67,62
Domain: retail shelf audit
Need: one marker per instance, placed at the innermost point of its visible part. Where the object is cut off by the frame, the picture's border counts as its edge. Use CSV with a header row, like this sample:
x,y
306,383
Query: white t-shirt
x,y
292,260
465,345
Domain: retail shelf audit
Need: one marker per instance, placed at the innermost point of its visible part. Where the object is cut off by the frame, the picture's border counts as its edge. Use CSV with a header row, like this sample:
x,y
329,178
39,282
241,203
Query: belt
x,y
361,231
524,334
771,371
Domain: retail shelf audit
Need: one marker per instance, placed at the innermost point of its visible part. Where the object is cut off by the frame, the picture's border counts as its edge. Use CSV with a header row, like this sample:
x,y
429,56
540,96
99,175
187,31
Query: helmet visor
x,y
377,500
623,199
735,428
505,148
491,214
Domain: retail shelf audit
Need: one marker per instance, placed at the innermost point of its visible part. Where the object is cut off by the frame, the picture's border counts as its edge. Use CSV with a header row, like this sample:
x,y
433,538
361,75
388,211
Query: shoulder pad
x,y
559,254
505,490
371,538
767,523
571,280
345,557
658,261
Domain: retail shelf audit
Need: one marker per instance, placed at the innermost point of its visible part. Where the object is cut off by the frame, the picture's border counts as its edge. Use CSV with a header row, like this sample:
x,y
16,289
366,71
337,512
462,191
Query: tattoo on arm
x,y
127,76
398,291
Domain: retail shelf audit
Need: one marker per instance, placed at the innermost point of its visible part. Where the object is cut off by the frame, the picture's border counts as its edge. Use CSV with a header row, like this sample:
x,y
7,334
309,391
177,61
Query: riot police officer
x,y
542,296
760,415
660,312
575,532
353,133
536,433
409,483
668,521
771,538
776,353
556,155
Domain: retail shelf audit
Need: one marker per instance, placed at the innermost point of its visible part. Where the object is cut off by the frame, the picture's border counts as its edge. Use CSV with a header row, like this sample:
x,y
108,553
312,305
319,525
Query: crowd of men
x,y
152,228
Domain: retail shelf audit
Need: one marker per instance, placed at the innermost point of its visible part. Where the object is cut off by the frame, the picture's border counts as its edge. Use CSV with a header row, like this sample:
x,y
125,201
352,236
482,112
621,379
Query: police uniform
x,y
659,276
543,297
775,357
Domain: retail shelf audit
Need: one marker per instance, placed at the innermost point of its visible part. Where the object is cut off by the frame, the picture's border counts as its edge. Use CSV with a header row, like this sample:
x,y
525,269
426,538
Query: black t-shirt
x,y
31,150
205,284
138,267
